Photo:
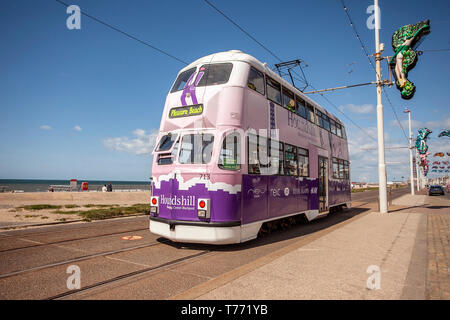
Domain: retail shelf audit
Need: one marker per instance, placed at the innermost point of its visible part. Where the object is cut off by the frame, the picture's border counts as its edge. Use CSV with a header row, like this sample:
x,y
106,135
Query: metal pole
x,y
418,172
380,125
411,154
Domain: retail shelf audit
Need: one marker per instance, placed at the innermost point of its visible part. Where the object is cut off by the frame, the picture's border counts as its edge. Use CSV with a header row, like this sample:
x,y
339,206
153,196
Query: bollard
x,y
389,196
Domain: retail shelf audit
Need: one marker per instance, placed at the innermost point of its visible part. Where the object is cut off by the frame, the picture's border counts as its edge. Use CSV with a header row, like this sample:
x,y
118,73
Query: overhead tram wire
x,y
373,67
337,108
126,34
240,28
184,62
435,50
279,60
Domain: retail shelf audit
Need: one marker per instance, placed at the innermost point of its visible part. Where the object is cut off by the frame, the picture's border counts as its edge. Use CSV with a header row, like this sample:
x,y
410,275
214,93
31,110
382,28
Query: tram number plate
x,y
205,176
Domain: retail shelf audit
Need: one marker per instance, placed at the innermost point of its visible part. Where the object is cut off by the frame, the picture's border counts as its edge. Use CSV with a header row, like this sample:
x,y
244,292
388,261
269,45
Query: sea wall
x,y
78,198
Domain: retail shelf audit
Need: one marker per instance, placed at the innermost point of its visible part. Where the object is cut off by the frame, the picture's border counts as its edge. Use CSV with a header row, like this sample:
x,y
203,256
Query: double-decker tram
x,y
238,147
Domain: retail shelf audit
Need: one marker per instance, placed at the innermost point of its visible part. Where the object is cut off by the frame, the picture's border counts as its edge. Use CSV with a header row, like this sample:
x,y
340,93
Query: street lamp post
x,y
380,125
417,171
410,152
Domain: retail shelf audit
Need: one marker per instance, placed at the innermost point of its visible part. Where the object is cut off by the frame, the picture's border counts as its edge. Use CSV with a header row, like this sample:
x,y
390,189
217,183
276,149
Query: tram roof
x,y
237,55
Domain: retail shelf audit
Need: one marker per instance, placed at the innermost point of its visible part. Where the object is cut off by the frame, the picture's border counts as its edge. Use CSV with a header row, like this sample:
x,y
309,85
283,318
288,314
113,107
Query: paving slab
x,y
378,256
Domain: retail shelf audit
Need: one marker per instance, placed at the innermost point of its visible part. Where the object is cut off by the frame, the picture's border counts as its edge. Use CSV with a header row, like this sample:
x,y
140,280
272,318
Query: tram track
x,y
130,275
86,257
67,240
82,258
112,280
52,229
89,291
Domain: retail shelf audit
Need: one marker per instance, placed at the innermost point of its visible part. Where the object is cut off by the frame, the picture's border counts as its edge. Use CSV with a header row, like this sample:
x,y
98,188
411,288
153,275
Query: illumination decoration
x,y
421,140
404,42
445,133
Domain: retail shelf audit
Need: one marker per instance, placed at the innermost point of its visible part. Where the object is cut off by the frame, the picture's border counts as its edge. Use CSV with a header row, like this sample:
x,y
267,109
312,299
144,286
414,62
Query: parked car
x,y
436,190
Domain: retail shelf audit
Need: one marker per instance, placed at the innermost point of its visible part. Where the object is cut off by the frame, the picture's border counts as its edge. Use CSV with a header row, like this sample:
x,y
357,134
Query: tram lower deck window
x,y
229,157
196,148
166,142
303,162
335,168
290,160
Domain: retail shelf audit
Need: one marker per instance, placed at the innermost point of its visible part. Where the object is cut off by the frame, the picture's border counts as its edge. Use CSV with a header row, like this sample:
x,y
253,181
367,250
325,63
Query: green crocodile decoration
x,y
404,42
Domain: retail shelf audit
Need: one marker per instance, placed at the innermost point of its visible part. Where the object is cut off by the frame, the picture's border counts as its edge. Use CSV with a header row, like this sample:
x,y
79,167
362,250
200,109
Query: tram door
x,y
323,184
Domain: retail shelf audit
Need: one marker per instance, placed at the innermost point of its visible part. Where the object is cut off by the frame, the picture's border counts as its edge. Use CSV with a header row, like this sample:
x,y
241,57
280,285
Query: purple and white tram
x,y
239,146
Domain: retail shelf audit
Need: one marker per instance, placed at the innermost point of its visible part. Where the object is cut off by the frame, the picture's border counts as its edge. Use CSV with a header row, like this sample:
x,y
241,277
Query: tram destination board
x,y
187,111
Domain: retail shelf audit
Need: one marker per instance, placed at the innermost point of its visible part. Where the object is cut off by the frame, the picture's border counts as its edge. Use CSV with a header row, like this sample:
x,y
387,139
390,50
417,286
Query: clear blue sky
x,y
85,103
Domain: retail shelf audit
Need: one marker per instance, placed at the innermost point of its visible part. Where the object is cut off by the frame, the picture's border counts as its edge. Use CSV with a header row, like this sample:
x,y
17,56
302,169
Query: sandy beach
x,y
21,208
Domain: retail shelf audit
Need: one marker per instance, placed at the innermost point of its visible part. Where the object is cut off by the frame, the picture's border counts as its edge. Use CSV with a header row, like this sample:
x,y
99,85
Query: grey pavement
x,y
390,249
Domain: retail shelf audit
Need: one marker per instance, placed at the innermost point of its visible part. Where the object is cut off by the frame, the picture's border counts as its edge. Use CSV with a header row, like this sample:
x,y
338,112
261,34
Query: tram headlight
x,y
203,208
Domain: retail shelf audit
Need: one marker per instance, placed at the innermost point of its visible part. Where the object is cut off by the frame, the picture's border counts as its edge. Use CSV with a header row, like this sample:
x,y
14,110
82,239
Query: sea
x,y
34,185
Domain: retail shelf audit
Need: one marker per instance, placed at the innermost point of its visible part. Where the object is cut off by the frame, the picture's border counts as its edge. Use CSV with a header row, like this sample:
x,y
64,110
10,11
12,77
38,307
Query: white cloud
x,y
45,127
77,128
142,143
435,126
361,109
364,156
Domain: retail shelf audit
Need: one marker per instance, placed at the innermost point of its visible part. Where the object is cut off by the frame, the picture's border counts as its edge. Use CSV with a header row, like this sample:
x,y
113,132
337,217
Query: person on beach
x,y
109,188
104,189
50,189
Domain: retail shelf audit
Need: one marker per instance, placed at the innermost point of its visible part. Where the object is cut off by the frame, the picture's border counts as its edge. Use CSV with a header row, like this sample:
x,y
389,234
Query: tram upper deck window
x,y
182,79
214,74
333,126
301,108
273,90
229,157
310,113
196,148
326,122
319,118
344,135
166,142
288,100
338,130
256,80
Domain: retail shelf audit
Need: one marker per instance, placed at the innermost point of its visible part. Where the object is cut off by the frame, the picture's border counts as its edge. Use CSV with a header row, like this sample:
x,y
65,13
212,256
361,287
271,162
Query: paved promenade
x,y
400,255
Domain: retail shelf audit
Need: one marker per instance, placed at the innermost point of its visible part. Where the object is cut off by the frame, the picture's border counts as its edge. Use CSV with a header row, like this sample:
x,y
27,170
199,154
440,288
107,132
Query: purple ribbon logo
x,y
189,88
